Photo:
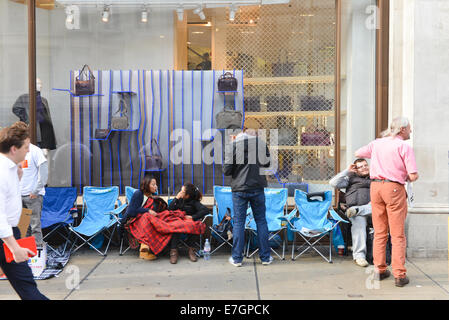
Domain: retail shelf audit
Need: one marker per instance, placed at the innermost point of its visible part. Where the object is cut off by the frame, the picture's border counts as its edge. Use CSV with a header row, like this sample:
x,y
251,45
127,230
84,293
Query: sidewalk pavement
x,y
308,278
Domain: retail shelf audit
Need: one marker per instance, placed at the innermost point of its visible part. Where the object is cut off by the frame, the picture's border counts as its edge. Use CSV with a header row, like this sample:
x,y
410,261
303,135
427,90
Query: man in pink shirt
x,y
392,165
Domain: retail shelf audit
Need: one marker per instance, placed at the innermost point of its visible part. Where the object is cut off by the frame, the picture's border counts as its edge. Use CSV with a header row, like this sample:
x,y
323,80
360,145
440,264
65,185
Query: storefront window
x,y
358,71
155,75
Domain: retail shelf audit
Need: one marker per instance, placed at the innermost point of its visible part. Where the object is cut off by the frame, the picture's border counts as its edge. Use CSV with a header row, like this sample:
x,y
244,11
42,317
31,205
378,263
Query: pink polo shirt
x,y
391,158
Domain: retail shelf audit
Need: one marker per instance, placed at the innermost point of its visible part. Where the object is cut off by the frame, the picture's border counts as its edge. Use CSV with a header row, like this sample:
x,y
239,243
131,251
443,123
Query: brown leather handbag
x,y
85,82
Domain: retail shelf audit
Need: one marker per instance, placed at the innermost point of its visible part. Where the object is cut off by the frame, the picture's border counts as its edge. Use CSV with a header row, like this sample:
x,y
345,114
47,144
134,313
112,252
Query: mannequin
x,y
45,135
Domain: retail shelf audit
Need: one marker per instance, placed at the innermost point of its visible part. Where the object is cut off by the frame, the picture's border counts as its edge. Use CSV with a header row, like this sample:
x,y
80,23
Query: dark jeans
x,y
20,276
240,200
176,237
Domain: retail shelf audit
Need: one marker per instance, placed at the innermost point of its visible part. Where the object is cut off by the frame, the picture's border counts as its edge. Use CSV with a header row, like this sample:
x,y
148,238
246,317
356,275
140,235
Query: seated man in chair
x,y
356,181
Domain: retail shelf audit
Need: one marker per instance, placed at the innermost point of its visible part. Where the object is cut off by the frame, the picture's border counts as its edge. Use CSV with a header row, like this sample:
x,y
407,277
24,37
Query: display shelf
x,y
302,148
291,80
80,96
154,170
124,92
234,92
290,113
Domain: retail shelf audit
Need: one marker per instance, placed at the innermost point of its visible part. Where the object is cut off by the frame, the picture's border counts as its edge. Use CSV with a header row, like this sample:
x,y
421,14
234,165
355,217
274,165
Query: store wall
x,y
418,82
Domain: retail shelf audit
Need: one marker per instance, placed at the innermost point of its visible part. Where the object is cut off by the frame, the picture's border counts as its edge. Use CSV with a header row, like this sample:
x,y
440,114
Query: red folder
x,y
29,242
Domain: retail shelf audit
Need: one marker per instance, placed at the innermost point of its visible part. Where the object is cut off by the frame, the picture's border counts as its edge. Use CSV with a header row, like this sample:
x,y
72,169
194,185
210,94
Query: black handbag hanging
x,y
227,82
153,161
85,82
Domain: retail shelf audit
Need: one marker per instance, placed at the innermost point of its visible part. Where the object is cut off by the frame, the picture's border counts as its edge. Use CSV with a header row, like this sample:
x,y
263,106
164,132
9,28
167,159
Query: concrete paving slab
x,y
310,277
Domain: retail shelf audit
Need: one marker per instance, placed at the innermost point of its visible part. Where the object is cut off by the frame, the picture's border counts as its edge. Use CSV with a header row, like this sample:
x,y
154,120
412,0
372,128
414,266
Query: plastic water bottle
x,y
206,251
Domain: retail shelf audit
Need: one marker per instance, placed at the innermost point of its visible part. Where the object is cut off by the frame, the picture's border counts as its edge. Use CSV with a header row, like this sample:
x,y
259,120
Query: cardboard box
x,y
24,222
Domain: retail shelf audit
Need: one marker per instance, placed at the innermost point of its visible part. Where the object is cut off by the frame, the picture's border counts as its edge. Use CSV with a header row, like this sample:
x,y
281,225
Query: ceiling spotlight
x,y
232,12
70,15
105,14
144,16
180,13
200,13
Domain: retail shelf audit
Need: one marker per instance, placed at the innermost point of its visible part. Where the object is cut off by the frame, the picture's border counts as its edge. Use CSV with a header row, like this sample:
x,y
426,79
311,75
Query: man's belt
x,y
384,180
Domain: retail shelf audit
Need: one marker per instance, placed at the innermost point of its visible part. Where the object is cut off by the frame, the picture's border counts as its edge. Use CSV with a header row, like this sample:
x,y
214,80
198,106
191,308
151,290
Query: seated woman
x,y
151,225
187,200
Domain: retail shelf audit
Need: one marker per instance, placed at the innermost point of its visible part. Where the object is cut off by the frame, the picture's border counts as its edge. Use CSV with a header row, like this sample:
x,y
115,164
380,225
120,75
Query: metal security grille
x,y
287,53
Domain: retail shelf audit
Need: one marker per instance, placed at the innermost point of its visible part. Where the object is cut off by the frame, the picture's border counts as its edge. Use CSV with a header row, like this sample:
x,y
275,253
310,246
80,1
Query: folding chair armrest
x,y
289,216
117,210
336,217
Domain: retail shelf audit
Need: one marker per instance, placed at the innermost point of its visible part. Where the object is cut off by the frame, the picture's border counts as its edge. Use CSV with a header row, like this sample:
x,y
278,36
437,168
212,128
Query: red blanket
x,y
156,231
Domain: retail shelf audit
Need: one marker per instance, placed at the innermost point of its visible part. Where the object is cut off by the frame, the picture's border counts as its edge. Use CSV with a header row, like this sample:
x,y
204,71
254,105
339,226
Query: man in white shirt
x,y
14,145
32,186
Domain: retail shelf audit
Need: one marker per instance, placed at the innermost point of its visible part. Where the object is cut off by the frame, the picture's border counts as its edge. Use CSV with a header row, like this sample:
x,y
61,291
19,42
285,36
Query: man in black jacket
x,y
244,157
356,181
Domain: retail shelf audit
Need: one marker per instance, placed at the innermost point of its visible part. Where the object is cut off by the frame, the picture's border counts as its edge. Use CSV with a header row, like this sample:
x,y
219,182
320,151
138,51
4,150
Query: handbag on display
x,y
252,104
279,103
101,133
229,118
85,82
283,69
319,137
154,160
121,122
227,82
315,103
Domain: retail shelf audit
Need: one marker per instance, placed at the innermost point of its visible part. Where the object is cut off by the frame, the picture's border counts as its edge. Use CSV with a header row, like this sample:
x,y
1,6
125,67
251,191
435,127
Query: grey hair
x,y
395,127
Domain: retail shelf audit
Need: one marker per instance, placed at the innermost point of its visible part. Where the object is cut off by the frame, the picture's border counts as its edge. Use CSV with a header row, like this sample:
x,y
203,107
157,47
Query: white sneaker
x,y
266,263
235,264
361,262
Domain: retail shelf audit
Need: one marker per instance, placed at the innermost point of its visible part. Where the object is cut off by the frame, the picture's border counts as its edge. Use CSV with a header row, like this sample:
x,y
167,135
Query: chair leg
x,y
293,246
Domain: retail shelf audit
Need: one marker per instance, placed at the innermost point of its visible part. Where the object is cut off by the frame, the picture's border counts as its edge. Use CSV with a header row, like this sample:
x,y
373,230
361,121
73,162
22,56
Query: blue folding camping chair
x,y
316,220
98,203
58,210
276,206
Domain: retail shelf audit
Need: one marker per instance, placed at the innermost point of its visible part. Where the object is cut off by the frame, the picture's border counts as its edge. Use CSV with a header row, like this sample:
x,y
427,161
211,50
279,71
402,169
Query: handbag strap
x,y
227,75
120,109
91,74
157,145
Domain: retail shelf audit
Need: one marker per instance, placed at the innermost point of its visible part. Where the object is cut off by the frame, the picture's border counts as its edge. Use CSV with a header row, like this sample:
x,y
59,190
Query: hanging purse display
x,y
319,137
227,82
287,136
121,122
85,82
229,118
153,161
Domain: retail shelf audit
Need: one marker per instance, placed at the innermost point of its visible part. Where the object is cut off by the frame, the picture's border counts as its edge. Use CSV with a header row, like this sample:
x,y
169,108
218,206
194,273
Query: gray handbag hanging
x,y
121,122
229,118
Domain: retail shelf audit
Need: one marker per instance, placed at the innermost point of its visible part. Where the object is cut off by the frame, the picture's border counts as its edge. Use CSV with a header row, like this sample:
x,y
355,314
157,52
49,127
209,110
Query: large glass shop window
x,y
151,98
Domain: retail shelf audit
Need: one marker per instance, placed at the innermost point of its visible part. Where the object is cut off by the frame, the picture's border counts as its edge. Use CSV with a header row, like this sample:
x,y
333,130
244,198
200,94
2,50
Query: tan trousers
x,y
389,203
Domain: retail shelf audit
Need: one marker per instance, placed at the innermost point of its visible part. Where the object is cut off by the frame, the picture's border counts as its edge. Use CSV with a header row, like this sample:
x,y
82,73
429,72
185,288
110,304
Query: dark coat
x,y
358,191
192,208
45,134
243,163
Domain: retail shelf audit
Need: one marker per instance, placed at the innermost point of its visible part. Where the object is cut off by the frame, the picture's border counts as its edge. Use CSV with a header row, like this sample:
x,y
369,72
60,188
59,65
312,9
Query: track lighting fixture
x,y
200,13
105,14
180,13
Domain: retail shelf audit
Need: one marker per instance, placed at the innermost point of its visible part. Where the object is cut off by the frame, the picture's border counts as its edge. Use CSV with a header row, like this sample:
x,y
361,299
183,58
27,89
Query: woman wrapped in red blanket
x,y
150,223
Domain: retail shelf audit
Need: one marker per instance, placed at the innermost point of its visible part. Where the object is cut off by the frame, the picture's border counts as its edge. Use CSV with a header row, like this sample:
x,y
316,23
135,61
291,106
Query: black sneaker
x,y
400,282
381,276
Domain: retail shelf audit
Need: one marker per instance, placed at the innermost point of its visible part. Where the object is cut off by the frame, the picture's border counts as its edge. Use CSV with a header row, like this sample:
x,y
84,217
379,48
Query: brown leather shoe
x,y
173,256
400,282
192,255
381,276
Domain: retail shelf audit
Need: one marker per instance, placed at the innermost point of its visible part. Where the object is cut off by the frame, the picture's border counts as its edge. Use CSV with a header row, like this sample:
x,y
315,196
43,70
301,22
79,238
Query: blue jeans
x,y
257,201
